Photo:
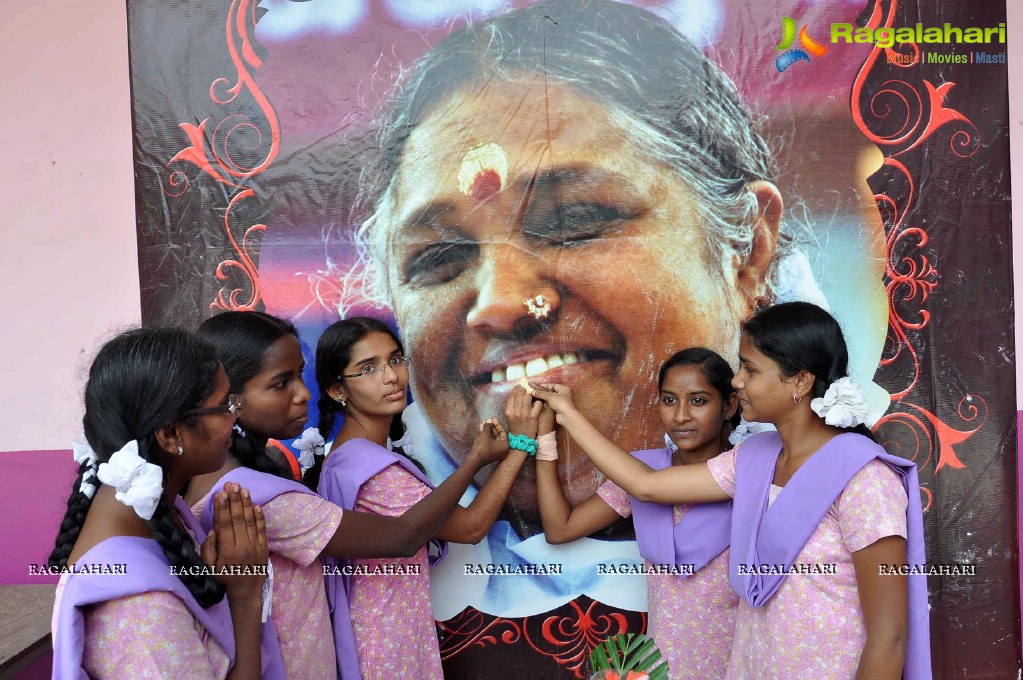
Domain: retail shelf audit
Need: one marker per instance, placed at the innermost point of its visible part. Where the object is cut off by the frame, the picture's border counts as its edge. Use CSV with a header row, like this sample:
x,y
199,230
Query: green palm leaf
x,y
630,652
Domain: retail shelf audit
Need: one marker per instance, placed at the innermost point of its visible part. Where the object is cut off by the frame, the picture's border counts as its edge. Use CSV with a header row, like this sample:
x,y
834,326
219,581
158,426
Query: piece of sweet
x,y
524,384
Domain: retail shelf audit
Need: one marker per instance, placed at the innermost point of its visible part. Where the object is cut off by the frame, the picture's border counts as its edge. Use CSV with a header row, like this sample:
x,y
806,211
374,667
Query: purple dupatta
x,y
262,488
344,472
147,571
702,534
763,535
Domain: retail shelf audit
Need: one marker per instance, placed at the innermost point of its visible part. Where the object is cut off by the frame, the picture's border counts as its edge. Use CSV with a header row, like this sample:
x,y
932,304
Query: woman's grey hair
x,y
675,105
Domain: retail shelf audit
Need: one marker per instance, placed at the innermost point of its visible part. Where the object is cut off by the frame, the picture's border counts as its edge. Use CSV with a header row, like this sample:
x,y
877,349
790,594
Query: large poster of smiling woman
x,y
572,192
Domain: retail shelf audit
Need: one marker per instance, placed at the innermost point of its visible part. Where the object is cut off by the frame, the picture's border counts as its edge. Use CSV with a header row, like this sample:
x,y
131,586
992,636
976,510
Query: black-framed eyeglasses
x,y
233,406
370,369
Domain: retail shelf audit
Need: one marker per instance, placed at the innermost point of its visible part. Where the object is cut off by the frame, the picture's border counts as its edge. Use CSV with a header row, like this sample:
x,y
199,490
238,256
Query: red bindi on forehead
x,y
483,172
485,185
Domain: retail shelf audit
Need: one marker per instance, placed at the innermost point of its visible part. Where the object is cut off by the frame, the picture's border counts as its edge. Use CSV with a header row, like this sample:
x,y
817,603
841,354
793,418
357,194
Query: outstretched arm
x,y
471,524
672,485
561,522
363,534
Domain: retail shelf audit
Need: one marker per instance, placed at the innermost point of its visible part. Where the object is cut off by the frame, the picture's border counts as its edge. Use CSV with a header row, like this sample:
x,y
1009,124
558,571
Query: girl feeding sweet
x,y
363,374
691,607
818,508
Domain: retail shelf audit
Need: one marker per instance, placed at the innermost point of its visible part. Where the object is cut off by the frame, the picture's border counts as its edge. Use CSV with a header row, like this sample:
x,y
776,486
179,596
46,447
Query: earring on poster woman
x,y
796,398
181,450
341,400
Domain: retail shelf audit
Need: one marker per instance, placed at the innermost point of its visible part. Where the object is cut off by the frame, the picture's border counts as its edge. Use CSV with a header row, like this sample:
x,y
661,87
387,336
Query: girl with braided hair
x,y
157,412
263,360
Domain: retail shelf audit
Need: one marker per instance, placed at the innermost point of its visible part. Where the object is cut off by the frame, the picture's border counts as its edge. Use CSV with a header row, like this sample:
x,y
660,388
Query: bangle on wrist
x,y
547,447
521,442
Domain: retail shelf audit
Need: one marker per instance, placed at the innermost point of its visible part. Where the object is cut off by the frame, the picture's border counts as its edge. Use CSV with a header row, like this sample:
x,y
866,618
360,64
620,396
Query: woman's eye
x,y
439,262
573,222
698,401
670,401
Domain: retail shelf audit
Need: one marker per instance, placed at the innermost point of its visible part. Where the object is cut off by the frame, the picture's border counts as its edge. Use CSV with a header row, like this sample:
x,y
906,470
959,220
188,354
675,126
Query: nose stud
x,y
539,307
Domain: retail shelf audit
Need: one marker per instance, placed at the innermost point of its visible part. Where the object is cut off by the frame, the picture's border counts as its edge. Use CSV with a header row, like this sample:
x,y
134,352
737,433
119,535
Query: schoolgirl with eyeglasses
x,y
138,597
263,360
363,374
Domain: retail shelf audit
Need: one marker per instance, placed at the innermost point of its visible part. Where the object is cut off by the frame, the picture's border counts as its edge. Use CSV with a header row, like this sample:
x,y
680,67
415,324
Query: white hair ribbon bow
x,y
747,429
139,484
310,444
843,405
83,453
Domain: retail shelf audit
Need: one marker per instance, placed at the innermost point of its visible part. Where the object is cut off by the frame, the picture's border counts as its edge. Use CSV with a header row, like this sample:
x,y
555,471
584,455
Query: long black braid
x,y
140,381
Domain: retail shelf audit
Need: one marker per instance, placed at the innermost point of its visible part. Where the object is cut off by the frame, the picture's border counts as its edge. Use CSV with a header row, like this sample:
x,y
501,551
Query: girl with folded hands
x,y
157,412
263,360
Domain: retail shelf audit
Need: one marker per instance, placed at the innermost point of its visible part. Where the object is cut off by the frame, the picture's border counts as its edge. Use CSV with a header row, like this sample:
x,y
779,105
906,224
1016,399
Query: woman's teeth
x,y
533,367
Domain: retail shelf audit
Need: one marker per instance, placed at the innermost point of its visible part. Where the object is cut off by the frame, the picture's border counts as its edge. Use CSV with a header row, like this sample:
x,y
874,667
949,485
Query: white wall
x,y
68,265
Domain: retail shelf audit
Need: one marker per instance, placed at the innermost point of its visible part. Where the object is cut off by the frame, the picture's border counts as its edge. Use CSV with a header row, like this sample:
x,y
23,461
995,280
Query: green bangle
x,y
521,442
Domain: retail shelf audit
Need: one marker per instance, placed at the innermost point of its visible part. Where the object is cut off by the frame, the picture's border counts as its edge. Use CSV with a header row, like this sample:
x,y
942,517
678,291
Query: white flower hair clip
x,y
310,444
405,443
843,405
83,453
747,429
139,483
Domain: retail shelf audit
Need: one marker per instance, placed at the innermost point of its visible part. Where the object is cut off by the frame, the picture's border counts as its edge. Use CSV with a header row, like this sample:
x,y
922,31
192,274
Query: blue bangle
x,y
521,442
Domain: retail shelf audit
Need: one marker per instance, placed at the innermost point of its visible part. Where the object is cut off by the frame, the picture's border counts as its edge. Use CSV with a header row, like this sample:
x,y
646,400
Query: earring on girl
x,y
181,450
796,398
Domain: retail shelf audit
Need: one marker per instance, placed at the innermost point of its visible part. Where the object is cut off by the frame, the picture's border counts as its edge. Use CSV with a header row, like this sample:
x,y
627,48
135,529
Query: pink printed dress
x,y
298,528
395,635
813,626
152,635
691,618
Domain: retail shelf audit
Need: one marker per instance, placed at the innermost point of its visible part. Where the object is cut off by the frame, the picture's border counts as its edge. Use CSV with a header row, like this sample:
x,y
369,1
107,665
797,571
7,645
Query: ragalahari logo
x,y
790,57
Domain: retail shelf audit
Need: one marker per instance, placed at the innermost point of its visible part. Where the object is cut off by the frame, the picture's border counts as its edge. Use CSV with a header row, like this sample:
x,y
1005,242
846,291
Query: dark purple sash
x,y
147,571
776,535
262,488
702,534
344,472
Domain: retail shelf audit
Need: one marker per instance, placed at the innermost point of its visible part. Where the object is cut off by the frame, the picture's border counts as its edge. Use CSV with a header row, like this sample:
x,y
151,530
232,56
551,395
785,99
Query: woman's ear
x,y
731,405
751,272
803,384
336,392
168,438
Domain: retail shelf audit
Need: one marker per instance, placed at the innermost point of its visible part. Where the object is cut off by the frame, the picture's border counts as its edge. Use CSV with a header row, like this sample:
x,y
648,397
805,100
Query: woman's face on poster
x,y
559,204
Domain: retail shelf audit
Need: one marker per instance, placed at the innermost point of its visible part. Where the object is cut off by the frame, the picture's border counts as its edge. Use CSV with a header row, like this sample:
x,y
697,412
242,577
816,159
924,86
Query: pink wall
x,y
68,267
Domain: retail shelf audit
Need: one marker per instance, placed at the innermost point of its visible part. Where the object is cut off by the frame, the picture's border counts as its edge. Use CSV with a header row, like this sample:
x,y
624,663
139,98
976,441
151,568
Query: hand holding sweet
x,y
557,397
522,413
491,443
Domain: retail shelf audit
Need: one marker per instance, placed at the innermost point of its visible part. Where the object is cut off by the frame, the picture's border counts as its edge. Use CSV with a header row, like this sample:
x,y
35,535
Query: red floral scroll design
x,y
920,423
472,628
899,117
211,152
570,639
